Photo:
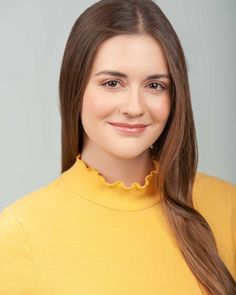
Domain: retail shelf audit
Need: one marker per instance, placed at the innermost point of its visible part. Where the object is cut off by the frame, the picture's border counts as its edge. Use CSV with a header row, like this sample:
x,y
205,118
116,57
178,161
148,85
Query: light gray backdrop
x,y
33,36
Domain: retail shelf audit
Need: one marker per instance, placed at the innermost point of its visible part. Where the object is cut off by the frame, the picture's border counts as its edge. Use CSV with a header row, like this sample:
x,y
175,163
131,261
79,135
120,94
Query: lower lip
x,y
130,131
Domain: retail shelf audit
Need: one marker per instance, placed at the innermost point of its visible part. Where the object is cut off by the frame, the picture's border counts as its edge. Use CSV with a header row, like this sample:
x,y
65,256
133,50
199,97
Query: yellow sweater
x,y
80,235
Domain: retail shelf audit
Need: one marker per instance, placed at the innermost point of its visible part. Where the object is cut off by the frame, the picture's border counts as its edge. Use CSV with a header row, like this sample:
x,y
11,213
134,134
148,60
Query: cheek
x,y
95,104
160,109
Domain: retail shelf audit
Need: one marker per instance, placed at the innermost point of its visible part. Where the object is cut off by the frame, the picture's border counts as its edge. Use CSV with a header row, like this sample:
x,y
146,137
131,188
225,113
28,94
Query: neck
x,y
124,168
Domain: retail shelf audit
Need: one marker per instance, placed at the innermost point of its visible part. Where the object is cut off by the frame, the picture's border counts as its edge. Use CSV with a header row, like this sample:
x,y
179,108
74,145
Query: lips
x,y
128,129
119,124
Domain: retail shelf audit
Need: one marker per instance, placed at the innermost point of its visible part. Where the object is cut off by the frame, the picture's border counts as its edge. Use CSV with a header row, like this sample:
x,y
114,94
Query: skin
x,y
133,99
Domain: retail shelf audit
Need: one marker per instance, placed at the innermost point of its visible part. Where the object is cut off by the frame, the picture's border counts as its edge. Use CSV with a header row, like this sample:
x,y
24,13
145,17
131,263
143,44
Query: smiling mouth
x,y
127,129
128,125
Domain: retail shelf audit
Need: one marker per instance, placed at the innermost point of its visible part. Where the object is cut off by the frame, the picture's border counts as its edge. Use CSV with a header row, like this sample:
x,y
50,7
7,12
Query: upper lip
x,y
128,125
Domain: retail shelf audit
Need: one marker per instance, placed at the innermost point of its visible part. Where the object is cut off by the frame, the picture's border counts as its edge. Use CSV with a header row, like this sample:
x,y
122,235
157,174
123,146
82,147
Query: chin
x,y
126,155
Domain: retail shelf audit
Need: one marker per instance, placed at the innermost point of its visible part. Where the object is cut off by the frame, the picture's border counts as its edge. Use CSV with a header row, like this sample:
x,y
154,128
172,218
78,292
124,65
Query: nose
x,y
132,104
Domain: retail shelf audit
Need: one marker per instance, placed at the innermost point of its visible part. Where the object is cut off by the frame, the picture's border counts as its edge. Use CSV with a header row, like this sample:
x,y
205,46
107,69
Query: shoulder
x,y
211,182
213,190
33,204
215,199
21,224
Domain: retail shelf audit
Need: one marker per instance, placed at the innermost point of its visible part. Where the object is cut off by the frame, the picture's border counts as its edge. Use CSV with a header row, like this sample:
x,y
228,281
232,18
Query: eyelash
x,y
106,84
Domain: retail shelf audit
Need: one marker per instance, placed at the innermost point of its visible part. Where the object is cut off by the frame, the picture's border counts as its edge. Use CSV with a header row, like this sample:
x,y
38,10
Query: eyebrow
x,y
121,75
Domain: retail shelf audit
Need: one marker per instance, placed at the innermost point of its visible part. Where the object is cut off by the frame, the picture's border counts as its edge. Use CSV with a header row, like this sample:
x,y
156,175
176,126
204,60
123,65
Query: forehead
x,y
131,52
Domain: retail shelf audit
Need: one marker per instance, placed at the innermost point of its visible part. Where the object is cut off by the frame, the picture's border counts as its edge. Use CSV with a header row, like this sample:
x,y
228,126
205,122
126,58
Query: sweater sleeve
x,y
215,199
16,269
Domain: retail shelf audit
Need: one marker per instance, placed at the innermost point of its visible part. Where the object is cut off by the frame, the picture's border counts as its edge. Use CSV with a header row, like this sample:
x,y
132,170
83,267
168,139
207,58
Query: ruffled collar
x,y
88,183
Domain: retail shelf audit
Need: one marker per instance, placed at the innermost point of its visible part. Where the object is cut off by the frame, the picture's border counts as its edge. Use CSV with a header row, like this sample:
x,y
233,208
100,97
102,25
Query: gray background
x,y
33,36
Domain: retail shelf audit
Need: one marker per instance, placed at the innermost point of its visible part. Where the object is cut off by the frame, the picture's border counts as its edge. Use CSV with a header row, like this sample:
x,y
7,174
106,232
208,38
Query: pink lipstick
x,y
130,129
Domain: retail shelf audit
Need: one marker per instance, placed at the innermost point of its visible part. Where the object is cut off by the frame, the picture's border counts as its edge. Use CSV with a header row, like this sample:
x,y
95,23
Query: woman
x,y
129,214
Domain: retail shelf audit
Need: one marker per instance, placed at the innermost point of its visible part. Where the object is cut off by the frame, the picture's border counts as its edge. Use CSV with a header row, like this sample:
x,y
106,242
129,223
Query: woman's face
x,y
128,84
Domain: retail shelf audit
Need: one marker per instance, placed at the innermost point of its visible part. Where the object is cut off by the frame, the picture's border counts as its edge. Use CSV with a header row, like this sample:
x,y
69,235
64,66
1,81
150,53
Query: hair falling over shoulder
x,y
175,149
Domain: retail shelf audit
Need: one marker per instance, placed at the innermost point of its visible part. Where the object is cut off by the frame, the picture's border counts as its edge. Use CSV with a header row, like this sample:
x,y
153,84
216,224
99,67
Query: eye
x,y
111,83
157,86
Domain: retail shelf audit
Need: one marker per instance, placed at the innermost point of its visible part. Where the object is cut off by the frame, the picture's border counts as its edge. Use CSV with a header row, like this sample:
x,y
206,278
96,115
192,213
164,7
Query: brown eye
x,y
111,83
157,86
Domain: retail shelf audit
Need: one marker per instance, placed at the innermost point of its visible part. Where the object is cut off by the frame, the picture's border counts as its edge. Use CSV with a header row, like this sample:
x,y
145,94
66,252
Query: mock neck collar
x,y
88,183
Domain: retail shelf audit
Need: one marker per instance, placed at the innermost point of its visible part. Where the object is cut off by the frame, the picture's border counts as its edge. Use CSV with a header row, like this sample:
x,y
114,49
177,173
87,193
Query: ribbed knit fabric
x,y
80,235
89,184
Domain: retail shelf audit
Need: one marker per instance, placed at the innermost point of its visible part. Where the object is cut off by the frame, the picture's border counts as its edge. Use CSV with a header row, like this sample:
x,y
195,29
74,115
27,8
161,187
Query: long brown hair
x,y
175,149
